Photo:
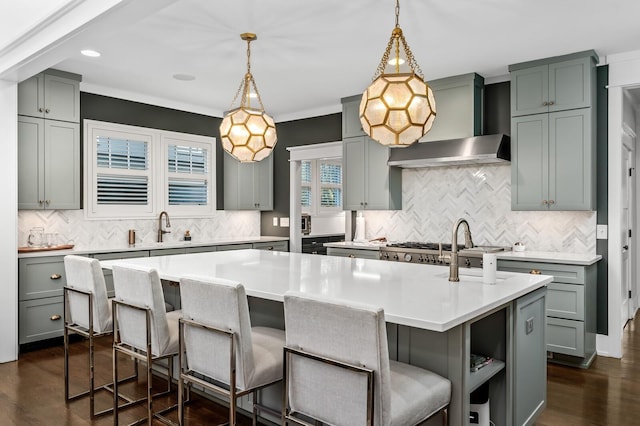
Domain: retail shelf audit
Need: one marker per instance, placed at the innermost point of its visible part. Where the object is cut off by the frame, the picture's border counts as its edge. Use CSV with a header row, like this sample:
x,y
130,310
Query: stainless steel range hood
x,y
472,150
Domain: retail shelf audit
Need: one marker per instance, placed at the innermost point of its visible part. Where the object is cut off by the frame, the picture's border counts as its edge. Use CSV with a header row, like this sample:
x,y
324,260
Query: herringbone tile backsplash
x,y
434,198
71,225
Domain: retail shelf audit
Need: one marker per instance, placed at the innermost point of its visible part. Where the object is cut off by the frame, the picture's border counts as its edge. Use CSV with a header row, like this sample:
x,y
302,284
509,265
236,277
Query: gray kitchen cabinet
x,y
353,253
40,301
368,182
351,125
202,249
570,309
553,161
272,246
553,146
171,289
459,103
554,84
227,247
52,94
48,164
248,186
530,387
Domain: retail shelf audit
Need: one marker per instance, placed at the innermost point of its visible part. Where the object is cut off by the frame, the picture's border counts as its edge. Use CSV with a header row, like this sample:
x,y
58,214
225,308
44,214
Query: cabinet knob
x,y
55,317
545,202
40,110
55,276
270,248
551,102
41,202
46,111
535,272
551,202
545,103
352,256
47,202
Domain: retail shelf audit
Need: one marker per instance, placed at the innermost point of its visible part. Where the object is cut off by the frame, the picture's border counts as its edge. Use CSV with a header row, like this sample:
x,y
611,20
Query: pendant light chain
x,y
397,38
246,84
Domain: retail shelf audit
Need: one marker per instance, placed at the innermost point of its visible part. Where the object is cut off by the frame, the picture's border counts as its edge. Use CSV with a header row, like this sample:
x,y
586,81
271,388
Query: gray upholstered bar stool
x,y
219,350
87,312
337,369
143,330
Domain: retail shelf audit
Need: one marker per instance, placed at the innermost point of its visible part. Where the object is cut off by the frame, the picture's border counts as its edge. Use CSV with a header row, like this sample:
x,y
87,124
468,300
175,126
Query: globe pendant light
x,y
247,132
398,108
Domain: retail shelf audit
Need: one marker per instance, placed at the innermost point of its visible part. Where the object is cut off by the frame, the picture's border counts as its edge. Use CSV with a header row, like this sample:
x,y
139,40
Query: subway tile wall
x,y
72,227
434,198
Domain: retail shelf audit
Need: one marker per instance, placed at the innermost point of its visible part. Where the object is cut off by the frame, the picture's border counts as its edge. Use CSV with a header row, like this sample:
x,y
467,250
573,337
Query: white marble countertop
x,y
359,245
154,246
414,295
551,257
526,256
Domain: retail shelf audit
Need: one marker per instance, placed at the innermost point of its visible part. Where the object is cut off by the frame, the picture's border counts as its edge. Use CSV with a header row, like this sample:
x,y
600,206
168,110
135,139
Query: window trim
x,y
158,172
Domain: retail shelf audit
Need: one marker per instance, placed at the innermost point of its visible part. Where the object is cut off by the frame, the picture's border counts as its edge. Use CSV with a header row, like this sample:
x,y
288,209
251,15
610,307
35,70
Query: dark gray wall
x,y
326,128
497,108
602,196
113,110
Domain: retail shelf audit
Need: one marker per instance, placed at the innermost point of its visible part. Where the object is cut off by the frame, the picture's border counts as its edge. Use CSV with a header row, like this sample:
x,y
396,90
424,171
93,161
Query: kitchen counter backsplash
x,y
72,227
433,198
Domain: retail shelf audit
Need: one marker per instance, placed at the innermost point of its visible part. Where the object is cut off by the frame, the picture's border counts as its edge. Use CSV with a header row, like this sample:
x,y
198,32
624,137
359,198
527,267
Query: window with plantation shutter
x,y
135,172
321,186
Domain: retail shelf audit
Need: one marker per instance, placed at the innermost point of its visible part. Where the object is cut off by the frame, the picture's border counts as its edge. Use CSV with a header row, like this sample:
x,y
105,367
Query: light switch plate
x,y
601,232
284,222
529,326
275,221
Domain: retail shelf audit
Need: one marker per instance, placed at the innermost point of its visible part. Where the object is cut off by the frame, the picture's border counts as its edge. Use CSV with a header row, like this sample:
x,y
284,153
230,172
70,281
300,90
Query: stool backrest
x,y
221,304
85,274
141,287
350,333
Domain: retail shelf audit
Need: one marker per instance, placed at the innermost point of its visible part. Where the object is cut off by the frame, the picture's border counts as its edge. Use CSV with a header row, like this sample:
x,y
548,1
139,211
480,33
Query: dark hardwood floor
x,y
32,390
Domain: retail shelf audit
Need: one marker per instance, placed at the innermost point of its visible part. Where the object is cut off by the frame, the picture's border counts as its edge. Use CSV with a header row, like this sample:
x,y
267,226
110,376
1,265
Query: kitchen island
x,y
431,322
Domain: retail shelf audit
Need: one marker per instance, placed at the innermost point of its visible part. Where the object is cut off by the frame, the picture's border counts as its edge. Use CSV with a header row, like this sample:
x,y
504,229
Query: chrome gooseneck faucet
x,y
468,243
161,231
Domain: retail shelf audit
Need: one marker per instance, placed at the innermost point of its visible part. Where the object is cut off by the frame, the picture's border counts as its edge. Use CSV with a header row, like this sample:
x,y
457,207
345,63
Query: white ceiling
x,y
309,54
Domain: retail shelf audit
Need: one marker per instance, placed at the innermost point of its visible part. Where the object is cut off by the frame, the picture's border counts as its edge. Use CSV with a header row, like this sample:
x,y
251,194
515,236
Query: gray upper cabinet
x,y
553,134
459,101
49,141
248,186
54,95
48,164
368,182
543,86
351,125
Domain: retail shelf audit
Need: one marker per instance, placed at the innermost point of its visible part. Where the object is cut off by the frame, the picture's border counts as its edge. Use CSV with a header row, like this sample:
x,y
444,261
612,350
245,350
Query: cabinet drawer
x,y
570,274
360,254
565,336
205,249
228,247
275,246
41,319
565,301
41,277
166,252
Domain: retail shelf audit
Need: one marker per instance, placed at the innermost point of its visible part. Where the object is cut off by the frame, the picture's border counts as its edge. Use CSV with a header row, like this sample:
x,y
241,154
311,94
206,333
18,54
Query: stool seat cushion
x,y
416,393
267,353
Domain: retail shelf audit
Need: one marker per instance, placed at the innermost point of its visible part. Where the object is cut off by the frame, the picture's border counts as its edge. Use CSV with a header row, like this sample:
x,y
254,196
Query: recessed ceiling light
x,y
90,53
184,77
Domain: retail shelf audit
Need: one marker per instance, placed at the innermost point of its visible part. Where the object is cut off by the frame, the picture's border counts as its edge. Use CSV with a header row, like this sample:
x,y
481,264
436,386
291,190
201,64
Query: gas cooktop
x,y
435,253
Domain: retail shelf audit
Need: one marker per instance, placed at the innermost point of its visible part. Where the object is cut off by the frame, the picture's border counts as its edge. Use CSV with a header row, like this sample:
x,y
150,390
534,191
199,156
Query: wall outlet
x,y
601,232
275,221
284,222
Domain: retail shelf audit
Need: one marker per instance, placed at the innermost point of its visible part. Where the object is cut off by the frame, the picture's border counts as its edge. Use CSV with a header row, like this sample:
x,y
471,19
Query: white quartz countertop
x,y
414,295
551,257
526,256
364,245
154,246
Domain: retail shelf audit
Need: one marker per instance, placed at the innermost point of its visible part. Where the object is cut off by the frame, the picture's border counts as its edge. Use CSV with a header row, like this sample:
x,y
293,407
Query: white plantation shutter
x,y
305,186
135,172
330,177
321,186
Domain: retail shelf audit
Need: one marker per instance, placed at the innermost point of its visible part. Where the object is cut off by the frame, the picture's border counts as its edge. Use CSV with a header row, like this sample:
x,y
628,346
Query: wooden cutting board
x,y
36,249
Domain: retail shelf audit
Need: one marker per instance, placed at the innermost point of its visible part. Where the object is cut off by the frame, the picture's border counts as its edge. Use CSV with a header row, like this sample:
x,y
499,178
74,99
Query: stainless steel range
x,y
436,253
